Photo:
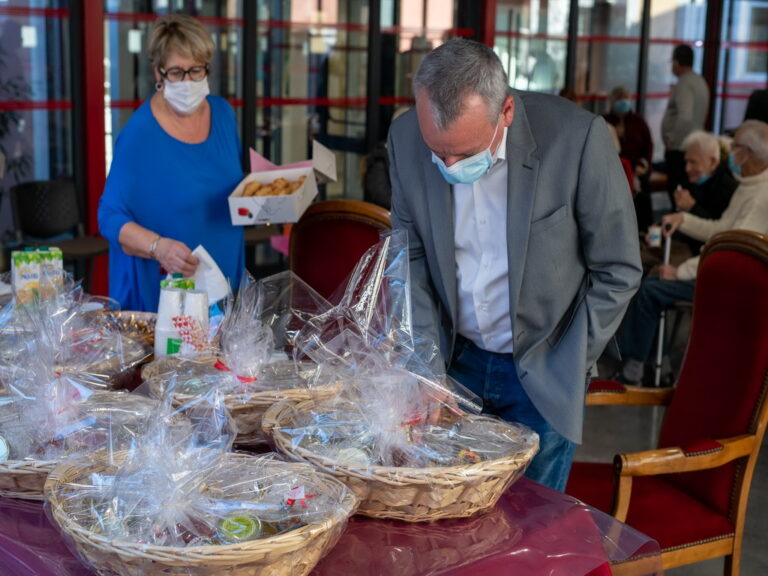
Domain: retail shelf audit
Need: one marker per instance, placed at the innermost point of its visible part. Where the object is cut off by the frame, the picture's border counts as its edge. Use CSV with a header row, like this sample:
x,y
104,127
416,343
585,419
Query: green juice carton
x,y
51,271
25,274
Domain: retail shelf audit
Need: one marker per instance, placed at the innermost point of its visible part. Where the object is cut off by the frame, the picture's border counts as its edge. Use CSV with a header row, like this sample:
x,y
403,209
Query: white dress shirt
x,y
480,237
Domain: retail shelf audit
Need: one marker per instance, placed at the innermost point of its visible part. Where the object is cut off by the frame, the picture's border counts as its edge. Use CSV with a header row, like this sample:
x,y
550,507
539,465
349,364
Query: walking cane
x,y
662,318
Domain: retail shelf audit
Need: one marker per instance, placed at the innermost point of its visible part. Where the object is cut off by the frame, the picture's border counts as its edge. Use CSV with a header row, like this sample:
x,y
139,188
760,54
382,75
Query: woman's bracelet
x,y
153,247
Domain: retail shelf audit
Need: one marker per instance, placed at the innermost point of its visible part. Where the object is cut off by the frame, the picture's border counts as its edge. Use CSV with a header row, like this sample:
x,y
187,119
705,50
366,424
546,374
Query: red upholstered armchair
x,y
691,492
329,239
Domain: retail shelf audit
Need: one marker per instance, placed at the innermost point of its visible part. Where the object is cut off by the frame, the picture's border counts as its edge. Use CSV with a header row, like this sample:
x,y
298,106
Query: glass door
x,y
743,61
531,39
36,140
128,76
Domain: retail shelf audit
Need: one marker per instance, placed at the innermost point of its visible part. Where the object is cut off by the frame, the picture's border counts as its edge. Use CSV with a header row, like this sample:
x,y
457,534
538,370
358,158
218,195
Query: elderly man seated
x,y
748,210
712,183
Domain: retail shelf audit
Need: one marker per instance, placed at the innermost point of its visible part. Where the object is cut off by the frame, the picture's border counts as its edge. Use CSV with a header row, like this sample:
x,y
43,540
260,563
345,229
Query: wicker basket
x,y
410,494
24,478
246,409
293,553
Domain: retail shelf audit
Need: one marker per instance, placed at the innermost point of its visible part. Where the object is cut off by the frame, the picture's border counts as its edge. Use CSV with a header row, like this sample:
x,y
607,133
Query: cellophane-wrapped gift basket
x,y
84,332
56,398
411,443
179,502
252,360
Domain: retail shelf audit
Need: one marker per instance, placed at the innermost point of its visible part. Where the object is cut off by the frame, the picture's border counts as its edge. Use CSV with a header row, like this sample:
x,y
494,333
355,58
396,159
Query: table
x,y
531,531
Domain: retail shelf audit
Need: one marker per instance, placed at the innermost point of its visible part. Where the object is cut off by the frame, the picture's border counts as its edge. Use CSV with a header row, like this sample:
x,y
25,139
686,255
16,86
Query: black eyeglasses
x,y
176,74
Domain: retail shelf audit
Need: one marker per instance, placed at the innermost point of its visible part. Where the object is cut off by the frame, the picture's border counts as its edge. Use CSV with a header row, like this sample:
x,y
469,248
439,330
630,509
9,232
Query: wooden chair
x,y
329,239
46,212
691,492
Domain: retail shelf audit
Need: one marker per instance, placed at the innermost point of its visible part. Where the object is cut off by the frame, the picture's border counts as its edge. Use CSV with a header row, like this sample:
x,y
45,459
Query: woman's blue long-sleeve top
x,y
177,190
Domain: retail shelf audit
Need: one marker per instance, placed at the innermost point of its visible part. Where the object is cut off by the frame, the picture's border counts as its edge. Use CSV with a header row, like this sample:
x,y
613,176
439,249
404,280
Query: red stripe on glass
x,y
267,25
761,46
144,17
34,12
35,105
266,102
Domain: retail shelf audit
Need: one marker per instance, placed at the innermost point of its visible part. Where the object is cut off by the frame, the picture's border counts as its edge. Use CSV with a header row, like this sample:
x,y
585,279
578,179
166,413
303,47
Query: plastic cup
x,y
654,236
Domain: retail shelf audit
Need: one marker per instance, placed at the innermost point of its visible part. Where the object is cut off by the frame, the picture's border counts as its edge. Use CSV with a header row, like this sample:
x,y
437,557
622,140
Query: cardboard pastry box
x,y
248,210
272,209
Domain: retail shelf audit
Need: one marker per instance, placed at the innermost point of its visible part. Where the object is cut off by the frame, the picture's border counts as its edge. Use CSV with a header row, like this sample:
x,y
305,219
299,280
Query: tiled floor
x,y
612,429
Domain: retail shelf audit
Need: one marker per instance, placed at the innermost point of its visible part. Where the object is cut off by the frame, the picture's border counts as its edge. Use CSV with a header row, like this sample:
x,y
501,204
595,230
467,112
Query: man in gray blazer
x,y
523,241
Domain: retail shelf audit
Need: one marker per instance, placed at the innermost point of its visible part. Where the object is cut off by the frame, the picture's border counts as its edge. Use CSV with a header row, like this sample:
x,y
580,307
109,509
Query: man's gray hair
x,y
754,135
704,141
458,68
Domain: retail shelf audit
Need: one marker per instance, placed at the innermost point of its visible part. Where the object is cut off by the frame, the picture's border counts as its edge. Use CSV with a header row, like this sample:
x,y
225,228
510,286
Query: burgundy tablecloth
x,y
533,531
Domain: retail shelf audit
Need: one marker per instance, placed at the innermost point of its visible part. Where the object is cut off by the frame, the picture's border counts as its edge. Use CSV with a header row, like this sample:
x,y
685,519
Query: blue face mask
x,y
622,106
468,170
735,168
703,179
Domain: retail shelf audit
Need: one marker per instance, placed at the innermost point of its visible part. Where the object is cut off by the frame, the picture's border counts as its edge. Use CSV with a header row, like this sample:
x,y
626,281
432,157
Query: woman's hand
x,y
175,257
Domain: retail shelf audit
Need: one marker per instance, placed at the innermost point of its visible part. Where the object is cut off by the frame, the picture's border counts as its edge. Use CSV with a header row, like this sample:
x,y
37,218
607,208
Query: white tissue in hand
x,y
208,276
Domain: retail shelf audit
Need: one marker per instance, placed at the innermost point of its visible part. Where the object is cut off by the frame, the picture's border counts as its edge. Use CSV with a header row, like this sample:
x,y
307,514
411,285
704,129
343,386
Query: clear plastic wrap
x,y
261,326
71,332
409,440
413,448
46,418
180,498
532,531
55,400
256,366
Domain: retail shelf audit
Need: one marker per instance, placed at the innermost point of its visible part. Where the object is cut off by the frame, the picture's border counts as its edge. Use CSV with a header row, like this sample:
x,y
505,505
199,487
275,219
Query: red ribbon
x,y
221,366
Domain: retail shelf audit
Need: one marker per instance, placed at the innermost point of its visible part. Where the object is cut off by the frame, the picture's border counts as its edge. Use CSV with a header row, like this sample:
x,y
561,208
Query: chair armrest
x,y
610,393
709,454
676,459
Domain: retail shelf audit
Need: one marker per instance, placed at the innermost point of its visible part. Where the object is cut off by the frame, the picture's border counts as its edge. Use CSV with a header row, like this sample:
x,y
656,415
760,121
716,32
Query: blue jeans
x,y
641,323
493,377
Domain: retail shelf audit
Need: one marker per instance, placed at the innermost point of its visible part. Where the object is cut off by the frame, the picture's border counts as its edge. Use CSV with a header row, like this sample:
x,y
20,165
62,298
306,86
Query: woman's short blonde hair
x,y
181,34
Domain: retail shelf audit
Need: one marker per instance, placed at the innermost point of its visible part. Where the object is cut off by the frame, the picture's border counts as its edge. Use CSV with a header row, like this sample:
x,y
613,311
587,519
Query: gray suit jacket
x,y
574,259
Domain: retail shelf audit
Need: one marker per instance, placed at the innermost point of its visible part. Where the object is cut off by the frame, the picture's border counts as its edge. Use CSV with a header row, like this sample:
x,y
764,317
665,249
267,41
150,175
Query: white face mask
x,y
186,96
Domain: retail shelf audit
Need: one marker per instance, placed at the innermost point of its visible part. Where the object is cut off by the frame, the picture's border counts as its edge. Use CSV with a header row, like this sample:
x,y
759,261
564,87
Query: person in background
x,y
636,150
523,246
711,182
747,210
757,106
175,162
633,132
686,111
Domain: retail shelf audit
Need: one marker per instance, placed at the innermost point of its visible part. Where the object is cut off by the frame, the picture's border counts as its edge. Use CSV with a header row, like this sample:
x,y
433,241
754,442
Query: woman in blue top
x,y
175,163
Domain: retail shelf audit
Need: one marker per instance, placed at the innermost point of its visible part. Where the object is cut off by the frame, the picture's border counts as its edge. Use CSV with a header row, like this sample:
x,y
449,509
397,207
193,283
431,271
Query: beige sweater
x,y
686,110
748,210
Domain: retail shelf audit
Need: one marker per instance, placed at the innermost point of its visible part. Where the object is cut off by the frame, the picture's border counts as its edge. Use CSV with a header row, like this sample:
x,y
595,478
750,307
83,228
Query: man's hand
x,y
670,223
683,199
175,257
667,272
